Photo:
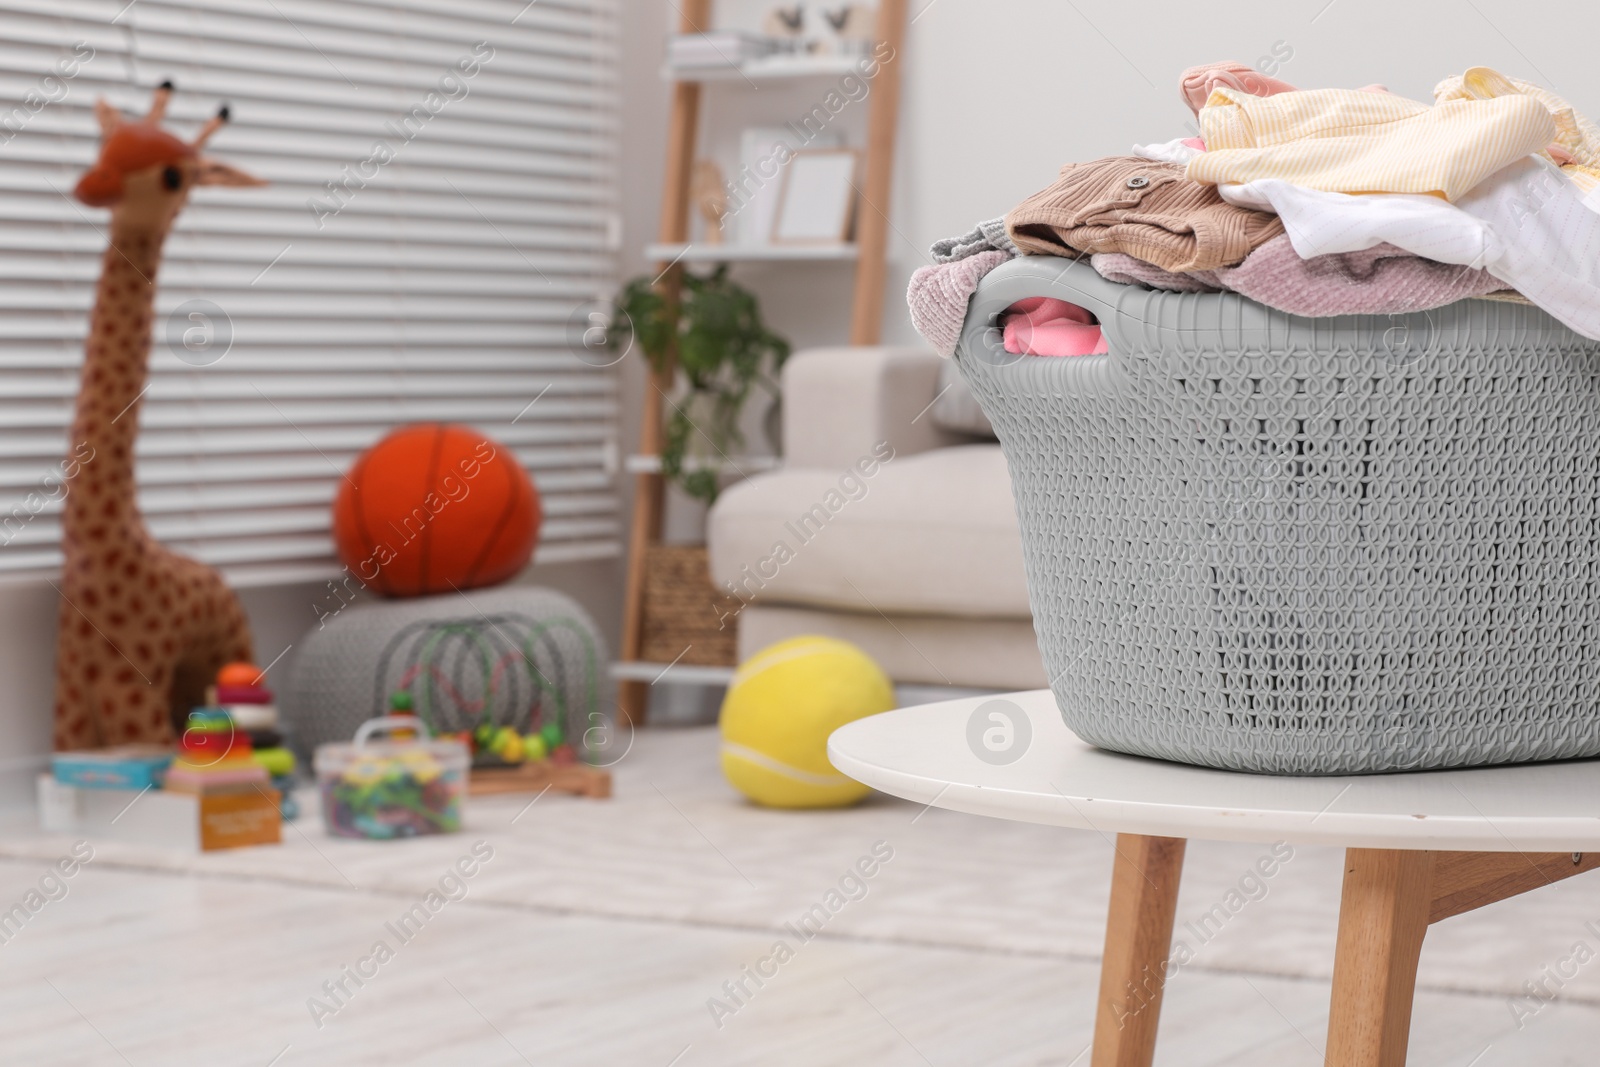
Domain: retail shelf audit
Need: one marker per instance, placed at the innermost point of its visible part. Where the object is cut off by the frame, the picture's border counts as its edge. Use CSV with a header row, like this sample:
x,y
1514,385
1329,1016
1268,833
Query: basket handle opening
x,y
1070,281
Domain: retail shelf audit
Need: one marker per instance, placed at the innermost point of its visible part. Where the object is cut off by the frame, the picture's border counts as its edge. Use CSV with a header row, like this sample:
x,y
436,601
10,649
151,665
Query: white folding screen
x,y
440,221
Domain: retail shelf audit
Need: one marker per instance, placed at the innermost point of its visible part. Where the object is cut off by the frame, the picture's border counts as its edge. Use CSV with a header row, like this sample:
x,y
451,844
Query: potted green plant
x,y
724,352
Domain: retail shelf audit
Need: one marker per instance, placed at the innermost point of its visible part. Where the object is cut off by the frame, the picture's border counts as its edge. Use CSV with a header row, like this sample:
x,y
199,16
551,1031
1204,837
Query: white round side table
x,y
1420,847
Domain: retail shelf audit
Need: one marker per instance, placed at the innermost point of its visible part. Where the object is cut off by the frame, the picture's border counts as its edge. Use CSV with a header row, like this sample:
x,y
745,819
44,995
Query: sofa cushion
x,y
927,534
915,649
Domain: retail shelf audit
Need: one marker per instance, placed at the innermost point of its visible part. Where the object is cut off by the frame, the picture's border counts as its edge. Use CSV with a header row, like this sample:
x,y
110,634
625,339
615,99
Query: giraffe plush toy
x,y
142,629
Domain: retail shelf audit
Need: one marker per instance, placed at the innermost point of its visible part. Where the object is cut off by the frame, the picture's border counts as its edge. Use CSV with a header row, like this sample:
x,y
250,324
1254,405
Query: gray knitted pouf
x,y
528,657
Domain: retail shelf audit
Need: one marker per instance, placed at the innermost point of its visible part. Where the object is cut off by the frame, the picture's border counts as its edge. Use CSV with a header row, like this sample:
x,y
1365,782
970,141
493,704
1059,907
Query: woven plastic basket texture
x,y
1305,546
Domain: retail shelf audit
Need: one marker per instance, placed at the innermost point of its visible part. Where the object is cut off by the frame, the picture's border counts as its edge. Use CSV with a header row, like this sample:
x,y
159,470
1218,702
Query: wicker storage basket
x,y
687,619
1306,546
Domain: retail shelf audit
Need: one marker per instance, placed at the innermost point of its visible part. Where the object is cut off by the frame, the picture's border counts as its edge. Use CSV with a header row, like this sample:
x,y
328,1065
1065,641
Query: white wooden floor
x,y
598,932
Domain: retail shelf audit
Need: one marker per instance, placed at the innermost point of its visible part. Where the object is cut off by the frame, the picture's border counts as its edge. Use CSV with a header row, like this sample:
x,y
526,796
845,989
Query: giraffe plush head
x,y
144,173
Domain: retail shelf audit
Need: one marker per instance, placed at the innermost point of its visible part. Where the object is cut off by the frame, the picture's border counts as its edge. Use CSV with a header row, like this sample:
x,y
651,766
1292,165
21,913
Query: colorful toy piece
x,y
503,743
212,737
483,737
392,788
552,734
514,750
215,756
238,689
279,763
118,767
238,692
239,675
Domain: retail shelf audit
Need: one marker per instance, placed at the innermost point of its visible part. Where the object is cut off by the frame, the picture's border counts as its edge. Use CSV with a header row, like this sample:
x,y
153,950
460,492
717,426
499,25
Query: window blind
x,y
444,277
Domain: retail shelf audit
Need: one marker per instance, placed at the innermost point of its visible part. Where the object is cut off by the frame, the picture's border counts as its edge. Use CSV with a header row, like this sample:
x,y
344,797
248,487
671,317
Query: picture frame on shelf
x,y
816,202
763,155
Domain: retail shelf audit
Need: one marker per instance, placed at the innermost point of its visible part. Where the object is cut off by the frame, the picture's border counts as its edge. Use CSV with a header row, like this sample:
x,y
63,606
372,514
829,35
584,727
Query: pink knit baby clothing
x,y
1196,83
938,295
1382,280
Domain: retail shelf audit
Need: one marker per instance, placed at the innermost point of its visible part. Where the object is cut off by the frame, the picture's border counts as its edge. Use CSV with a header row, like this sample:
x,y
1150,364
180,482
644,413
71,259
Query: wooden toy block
x,y
536,775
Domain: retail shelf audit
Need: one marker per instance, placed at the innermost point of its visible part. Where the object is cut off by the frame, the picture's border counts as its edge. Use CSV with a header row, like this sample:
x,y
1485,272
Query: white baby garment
x,y
1526,224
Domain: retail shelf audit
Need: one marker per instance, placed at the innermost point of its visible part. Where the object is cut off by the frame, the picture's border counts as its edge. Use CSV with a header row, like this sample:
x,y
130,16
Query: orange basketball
x,y
434,508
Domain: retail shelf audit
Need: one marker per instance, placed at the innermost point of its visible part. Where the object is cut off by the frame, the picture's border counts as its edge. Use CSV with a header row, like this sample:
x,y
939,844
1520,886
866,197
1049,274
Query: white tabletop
x,y
938,754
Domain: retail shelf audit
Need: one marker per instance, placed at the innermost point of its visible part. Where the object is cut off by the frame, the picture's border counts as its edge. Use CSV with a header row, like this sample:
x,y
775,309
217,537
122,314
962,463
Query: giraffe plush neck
x,y
141,629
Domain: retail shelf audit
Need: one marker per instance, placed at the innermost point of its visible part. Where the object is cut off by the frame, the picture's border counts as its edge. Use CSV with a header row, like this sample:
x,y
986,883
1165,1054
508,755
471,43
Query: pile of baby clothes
x,y
1318,203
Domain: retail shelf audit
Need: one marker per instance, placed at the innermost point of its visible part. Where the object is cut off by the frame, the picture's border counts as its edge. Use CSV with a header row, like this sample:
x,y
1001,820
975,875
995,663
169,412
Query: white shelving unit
x,y
673,252
906,695
674,673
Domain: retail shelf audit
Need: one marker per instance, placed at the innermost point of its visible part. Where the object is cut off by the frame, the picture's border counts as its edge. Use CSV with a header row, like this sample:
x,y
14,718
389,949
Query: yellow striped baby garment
x,y
1349,141
1577,145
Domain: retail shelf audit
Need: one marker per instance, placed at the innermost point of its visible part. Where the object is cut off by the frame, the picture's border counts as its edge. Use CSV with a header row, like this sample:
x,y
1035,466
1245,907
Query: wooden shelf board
x,y
768,68
732,465
671,674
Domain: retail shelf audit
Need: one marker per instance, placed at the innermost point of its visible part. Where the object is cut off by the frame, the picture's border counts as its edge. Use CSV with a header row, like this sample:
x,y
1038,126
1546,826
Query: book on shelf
x,y
718,50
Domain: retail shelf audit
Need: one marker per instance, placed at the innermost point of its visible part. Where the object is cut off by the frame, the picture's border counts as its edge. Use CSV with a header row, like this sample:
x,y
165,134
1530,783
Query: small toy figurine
x,y
785,21
710,196
853,28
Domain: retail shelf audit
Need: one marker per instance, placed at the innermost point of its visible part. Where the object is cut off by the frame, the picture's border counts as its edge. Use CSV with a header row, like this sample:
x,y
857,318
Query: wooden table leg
x,y
1383,916
1144,901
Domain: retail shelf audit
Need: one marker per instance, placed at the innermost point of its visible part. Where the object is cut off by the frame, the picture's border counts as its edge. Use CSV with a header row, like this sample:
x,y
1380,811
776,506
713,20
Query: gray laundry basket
x,y
1305,546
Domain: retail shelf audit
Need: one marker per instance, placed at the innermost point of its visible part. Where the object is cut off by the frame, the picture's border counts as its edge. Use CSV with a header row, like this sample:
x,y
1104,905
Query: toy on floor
x,y
226,787
279,763
141,629
478,680
493,745
435,509
239,692
781,706
215,756
406,785
118,767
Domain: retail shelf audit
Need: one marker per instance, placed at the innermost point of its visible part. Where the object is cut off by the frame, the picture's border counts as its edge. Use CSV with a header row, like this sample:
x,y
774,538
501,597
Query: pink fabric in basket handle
x,y
1045,326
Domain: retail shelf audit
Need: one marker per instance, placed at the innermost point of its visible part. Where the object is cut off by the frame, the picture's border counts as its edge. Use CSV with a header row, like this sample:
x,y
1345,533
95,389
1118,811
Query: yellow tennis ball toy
x,y
781,706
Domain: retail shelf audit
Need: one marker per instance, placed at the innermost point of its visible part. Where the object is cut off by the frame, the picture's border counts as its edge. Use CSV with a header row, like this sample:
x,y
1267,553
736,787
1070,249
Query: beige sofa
x,y
890,525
